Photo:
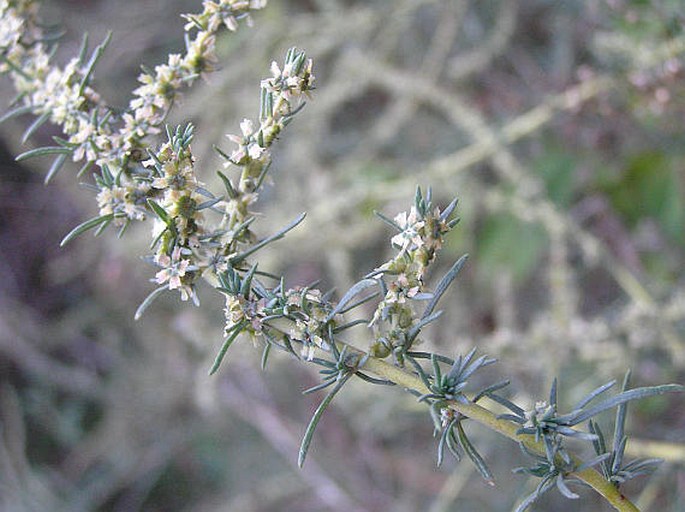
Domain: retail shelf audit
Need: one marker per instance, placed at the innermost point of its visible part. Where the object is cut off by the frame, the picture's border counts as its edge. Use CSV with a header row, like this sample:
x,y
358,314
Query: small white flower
x,y
410,225
255,151
247,127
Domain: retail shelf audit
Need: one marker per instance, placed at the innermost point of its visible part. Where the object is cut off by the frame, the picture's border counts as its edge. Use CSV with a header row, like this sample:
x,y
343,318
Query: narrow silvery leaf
x,y
321,386
40,121
85,226
309,433
437,373
419,370
518,411
95,57
47,150
280,234
619,426
593,394
83,51
592,462
57,164
123,228
102,227
228,185
373,380
563,489
473,454
15,112
237,329
348,325
553,395
148,300
444,284
643,465
247,281
634,394
210,204
358,303
441,444
222,153
387,220
428,355
415,329
204,192
356,289
161,213
83,169
601,441
618,450
491,389
262,175
526,503
479,363
448,210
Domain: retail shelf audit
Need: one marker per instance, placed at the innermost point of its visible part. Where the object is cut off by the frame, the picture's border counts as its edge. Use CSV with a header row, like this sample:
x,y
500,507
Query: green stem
x,y
507,428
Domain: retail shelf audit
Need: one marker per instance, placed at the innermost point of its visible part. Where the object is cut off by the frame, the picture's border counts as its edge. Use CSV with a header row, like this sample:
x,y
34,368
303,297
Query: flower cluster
x,y
311,313
304,308
95,133
130,188
246,312
280,101
186,243
420,236
123,202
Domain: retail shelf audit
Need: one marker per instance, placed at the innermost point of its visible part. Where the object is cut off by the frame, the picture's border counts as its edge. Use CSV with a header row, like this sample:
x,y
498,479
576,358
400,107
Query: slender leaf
x,y
576,417
15,112
448,210
358,303
619,428
83,50
518,411
442,442
444,284
208,204
309,433
95,57
490,389
148,300
593,394
351,293
600,459
161,213
321,386
237,329
425,320
473,454
373,380
246,284
228,185
563,489
240,257
387,220
47,150
57,164
85,226
40,121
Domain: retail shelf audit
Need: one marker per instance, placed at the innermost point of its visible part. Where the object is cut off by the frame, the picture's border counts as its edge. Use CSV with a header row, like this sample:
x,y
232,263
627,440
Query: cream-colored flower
x,y
175,267
410,236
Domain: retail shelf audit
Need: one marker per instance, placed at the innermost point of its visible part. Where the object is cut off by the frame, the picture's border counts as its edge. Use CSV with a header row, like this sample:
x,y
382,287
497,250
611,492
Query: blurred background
x,y
559,125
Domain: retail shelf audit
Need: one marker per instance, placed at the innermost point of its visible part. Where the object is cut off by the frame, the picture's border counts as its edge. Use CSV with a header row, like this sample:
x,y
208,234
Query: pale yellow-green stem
x,y
507,428
481,415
